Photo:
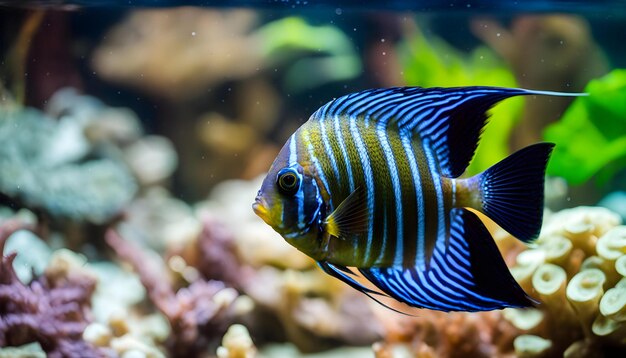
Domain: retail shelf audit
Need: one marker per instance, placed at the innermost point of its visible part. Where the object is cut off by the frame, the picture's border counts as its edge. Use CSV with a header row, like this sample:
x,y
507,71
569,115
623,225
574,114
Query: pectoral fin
x,y
350,217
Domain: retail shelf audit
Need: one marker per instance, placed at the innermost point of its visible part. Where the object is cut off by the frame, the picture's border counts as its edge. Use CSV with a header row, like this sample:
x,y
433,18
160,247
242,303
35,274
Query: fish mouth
x,y
260,208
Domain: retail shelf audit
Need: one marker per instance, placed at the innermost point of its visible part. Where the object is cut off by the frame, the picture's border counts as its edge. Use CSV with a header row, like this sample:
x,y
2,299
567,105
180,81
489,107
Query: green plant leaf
x,y
320,54
591,135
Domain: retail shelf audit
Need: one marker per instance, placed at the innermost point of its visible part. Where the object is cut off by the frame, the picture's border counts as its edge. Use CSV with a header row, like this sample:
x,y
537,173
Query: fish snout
x,y
260,208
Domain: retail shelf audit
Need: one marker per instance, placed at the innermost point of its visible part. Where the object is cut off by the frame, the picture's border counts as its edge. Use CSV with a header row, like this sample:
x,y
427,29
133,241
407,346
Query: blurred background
x,y
134,140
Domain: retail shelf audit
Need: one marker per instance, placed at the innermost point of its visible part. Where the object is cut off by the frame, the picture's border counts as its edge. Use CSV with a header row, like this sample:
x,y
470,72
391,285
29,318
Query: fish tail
x,y
511,192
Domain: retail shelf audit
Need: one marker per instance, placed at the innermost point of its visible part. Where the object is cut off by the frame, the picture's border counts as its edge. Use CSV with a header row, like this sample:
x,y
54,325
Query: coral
x,y
152,159
31,350
34,254
52,309
316,311
214,254
575,271
178,52
198,314
545,50
237,343
181,52
256,243
159,220
44,165
92,126
438,334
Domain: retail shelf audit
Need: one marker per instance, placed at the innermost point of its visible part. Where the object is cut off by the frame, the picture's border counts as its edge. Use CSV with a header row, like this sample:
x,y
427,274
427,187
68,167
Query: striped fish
x,y
369,186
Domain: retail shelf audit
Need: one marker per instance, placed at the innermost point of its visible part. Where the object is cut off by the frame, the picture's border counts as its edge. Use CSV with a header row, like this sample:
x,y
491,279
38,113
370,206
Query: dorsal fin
x,y
450,120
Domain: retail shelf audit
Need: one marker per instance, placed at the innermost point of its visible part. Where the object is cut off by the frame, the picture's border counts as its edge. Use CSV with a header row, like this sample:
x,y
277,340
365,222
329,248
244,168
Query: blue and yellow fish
x,y
369,186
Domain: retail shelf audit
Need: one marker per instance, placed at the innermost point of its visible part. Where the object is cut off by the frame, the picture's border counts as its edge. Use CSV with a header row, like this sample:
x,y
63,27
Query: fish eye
x,y
288,181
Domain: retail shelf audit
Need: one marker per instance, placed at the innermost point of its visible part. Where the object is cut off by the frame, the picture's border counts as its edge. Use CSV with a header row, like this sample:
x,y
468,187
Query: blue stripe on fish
x,y
344,152
293,161
369,183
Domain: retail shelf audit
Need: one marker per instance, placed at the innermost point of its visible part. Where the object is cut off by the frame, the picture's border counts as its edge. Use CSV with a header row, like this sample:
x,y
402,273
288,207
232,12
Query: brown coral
x,y
179,52
52,309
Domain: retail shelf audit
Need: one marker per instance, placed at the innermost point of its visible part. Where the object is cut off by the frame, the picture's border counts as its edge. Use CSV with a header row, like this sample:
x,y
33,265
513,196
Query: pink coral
x,y
50,310
214,254
197,317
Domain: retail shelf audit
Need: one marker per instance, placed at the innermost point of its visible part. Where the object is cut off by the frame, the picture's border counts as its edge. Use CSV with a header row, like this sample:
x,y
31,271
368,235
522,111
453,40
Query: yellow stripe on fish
x,y
371,181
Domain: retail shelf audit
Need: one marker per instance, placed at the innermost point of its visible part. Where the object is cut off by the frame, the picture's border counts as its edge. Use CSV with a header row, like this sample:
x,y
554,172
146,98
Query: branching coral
x,y
438,334
198,314
52,309
214,254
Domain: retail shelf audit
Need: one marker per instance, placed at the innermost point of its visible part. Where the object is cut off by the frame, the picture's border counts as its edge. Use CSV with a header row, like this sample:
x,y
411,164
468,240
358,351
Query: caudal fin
x,y
512,191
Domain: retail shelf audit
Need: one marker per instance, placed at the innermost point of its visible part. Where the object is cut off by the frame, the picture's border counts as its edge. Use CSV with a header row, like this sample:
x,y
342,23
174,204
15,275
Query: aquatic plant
x,y
597,121
544,51
52,309
431,62
13,67
293,37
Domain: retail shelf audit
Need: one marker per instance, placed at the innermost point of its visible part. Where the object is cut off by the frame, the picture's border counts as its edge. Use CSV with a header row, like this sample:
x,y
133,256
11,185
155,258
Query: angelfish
x,y
370,188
